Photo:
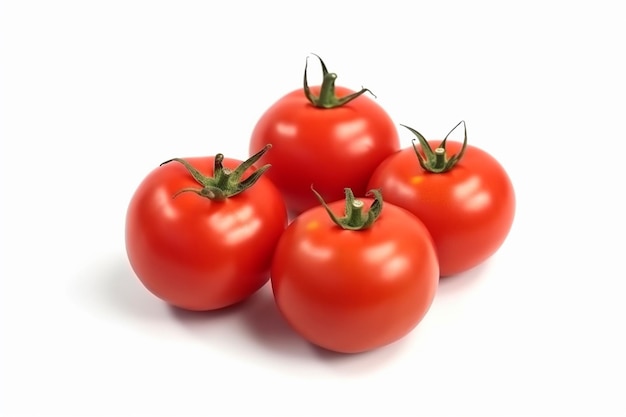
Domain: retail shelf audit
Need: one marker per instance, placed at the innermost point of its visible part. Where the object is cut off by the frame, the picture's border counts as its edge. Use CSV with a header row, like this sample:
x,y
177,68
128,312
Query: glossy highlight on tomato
x,y
329,136
200,253
468,209
352,291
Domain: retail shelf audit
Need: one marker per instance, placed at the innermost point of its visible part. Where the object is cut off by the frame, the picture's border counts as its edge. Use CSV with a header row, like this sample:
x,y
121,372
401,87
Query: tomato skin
x,y
354,291
328,148
195,253
468,210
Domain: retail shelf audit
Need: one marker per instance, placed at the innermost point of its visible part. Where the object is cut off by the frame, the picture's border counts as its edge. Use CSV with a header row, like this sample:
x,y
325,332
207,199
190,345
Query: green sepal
x,y
328,98
354,218
437,160
224,183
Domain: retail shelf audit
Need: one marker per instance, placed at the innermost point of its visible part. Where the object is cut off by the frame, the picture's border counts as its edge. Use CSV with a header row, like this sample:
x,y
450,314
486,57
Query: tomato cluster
x,y
373,228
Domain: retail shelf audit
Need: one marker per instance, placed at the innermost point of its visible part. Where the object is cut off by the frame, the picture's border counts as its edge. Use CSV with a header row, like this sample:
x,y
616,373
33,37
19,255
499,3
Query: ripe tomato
x,y
356,283
466,201
329,136
203,243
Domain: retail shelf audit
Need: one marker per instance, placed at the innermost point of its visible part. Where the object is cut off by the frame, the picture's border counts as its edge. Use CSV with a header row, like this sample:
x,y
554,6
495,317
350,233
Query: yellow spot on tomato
x,y
312,225
417,179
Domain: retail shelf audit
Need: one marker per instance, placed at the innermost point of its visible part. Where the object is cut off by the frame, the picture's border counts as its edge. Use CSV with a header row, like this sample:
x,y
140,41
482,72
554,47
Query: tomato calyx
x,y
328,98
437,160
224,183
354,218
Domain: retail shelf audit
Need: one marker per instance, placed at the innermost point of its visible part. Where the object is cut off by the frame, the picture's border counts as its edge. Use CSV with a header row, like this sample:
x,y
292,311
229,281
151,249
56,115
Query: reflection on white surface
x,y
469,192
237,226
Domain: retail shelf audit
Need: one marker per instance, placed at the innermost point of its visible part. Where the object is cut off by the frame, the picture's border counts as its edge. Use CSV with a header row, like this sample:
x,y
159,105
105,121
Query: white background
x,y
95,94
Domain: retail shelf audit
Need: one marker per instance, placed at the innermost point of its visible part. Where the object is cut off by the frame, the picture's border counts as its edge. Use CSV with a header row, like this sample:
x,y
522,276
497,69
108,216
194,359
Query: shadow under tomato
x,y
455,284
269,328
243,327
111,288
362,364
218,330
190,316
360,359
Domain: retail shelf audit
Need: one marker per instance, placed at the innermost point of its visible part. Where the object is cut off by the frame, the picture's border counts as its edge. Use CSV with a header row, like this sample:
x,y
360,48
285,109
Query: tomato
x,y
328,136
466,201
200,242
355,283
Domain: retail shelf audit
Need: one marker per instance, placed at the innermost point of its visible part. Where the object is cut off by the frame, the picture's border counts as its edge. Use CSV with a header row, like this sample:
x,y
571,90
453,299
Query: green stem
x,y
437,161
354,218
327,98
224,183
220,174
440,159
327,89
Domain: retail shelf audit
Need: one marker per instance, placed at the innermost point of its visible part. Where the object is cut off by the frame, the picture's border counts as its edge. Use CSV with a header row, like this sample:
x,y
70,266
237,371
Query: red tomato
x,y
468,208
331,137
354,290
201,250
